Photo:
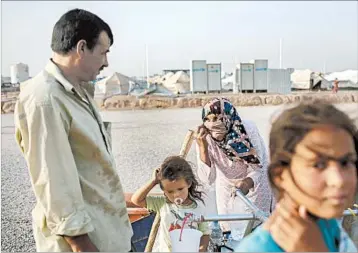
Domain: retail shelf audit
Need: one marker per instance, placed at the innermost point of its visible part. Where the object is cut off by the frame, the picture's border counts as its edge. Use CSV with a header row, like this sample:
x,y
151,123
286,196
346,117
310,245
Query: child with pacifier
x,y
313,172
181,197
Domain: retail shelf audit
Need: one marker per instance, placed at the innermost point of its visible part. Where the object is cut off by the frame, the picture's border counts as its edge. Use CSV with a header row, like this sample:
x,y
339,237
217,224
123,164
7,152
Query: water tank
x,y
247,76
19,73
198,76
260,75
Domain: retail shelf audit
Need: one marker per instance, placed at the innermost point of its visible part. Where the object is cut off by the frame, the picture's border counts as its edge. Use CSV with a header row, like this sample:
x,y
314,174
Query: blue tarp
x,y
141,230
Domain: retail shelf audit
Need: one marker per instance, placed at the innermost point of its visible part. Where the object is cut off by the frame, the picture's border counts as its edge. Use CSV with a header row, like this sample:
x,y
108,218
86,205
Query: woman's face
x,y
323,168
215,126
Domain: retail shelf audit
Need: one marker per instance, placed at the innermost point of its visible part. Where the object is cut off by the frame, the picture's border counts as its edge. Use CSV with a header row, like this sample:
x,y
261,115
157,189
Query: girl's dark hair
x,y
293,124
176,167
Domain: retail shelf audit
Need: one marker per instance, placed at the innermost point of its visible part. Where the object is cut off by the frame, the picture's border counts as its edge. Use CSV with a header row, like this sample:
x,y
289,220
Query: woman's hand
x,y
293,230
201,134
245,185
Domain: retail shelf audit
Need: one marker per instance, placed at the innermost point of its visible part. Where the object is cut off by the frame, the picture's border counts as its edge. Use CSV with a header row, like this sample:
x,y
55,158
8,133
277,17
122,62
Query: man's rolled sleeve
x,y
52,167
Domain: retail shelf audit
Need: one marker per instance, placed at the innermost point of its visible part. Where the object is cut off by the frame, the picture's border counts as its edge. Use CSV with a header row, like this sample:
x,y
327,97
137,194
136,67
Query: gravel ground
x,y
141,140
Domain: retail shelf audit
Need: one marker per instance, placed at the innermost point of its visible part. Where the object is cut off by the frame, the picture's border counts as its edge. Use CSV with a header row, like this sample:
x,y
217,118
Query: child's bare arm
x,y
140,195
204,243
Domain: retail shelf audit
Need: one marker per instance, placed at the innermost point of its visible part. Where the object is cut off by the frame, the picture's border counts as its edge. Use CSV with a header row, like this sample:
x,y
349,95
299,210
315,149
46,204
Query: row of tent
x,y
310,80
169,84
172,84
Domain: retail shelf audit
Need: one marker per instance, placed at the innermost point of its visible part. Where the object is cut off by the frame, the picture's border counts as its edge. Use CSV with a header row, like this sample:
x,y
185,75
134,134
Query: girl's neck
x,y
187,202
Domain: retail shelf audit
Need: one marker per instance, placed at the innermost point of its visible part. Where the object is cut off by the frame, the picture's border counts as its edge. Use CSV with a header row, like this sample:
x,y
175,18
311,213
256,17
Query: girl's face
x,y
177,189
323,169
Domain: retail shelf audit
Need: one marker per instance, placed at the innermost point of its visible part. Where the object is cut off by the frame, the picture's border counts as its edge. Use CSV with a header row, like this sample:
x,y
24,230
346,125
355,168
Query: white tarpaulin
x,y
177,83
301,79
227,83
166,77
115,84
319,82
347,78
155,79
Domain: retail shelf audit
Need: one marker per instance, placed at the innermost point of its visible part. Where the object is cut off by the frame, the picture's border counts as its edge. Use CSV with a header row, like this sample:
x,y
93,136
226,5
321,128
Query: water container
x,y
216,234
190,240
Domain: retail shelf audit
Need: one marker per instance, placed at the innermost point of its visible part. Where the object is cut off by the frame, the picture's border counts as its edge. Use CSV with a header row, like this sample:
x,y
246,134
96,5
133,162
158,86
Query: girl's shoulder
x,y
345,242
261,240
258,241
155,203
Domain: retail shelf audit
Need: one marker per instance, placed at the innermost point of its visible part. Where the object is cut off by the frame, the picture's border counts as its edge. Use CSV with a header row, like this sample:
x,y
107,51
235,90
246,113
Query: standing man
x,y
335,85
80,200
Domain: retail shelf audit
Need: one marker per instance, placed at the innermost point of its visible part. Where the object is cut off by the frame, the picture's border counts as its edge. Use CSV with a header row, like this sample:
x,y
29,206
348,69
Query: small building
x,y
19,73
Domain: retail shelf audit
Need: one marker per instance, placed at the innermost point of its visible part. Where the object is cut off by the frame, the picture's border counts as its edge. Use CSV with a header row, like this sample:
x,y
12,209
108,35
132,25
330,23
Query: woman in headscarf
x,y
232,155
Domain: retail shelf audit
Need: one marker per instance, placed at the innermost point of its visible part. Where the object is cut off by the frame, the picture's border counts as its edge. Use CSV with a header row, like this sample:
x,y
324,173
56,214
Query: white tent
x,y
227,83
178,82
308,80
301,79
155,79
347,78
319,82
166,77
115,84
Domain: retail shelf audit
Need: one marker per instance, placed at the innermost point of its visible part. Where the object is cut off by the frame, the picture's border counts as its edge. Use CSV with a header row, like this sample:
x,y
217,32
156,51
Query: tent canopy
x,y
347,78
178,82
301,79
115,84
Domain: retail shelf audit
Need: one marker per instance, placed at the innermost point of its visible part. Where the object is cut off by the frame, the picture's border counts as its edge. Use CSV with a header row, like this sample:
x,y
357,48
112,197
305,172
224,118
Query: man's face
x,y
93,62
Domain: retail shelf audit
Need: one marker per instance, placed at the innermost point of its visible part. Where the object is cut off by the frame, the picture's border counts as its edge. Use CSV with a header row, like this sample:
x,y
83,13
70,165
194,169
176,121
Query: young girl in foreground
x,y
313,171
181,196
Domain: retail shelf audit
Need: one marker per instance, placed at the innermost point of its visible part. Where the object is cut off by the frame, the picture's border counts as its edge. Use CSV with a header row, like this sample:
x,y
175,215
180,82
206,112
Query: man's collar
x,y
54,70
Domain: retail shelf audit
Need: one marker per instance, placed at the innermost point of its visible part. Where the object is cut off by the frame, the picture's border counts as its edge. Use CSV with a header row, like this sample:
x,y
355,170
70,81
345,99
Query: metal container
x,y
260,75
279,81
247,76
198,76
214,76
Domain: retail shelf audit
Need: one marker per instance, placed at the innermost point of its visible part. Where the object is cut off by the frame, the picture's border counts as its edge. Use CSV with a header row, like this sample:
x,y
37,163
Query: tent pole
x,y
280,53
146,58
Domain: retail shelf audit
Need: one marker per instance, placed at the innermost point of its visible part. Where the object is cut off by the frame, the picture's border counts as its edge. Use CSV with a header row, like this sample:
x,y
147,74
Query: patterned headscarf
x,y
236,145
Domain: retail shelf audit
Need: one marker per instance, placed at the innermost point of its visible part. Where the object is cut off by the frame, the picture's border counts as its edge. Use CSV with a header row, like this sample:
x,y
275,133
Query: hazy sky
x,y
176,32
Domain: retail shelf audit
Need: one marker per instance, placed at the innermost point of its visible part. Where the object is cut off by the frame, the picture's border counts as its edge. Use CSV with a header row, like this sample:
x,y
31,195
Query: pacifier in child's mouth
x,y
178,201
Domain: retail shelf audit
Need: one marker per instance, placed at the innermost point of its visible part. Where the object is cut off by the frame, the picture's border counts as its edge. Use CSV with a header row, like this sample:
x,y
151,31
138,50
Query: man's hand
x,y
293,230
81,243
245,185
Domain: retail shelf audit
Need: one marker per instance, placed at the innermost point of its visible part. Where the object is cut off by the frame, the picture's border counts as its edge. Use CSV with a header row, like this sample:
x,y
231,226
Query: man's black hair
x,y
76,25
